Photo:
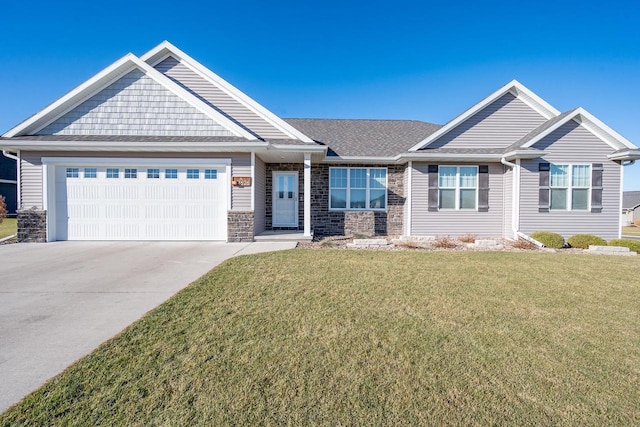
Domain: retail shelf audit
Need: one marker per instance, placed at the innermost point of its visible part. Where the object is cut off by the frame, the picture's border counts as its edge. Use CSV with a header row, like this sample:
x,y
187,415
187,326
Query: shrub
x,y
549,239
583,241
3,209
633,245
468,238
444,243
523,244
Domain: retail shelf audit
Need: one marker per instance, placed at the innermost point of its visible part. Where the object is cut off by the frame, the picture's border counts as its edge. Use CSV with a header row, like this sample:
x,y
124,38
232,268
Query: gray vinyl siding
x,y
461,222
498,125
218,99
135,105
259,181
30,181
31,173
571,144
508,203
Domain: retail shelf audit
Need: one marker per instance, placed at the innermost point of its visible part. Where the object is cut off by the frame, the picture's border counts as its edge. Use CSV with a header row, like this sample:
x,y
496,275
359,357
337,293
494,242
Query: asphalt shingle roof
x,y
630,199
366,138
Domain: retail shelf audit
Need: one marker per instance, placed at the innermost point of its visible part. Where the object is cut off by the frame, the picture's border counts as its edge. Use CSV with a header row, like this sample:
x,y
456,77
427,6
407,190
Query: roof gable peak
x,y
515,88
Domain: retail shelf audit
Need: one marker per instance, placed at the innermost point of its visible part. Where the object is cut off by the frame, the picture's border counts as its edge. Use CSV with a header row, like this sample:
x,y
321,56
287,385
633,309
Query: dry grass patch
x,y
444,242
324,337
8,227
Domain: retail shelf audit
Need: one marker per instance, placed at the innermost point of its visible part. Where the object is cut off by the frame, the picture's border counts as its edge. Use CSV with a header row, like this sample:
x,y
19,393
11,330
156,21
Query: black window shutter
x,y
544,190
433,188
596,187
483,188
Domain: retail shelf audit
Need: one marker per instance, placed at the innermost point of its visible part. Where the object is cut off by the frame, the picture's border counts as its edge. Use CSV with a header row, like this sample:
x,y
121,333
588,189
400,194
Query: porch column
x,y
307,194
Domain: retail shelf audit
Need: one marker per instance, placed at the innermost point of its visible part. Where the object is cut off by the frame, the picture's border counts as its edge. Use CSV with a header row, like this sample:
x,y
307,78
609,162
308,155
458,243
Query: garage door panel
x,y
134,207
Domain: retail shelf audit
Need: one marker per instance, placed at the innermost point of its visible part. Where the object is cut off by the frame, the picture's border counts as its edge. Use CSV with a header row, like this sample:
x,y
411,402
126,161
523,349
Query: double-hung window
x,y
458,187
569,185
358,188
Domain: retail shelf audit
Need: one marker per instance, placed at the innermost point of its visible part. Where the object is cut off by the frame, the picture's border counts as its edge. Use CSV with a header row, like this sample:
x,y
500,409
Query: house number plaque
x,y
241,181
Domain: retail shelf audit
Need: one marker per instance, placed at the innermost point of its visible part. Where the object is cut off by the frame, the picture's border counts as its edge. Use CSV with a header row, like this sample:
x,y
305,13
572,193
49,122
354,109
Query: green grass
x,y
335,337
8,227
631,231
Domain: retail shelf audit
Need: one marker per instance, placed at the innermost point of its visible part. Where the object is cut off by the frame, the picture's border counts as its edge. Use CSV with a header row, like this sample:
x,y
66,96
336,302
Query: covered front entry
x,y
285,199
137,200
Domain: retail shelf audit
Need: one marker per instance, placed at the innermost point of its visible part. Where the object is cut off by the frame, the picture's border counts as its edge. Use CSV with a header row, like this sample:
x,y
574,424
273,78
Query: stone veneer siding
x,y
385,223
284,167
32,226
240,226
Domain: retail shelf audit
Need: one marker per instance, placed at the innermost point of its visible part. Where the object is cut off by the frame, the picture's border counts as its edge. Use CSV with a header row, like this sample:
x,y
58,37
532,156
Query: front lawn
x,y
8,227
339,337
631,231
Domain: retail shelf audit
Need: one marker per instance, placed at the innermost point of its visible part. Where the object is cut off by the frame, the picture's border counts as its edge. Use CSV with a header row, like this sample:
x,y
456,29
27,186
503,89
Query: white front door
x,y
285,199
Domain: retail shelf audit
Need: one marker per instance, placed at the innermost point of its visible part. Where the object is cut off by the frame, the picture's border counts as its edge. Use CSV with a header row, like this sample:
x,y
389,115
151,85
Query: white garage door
x,y
147,202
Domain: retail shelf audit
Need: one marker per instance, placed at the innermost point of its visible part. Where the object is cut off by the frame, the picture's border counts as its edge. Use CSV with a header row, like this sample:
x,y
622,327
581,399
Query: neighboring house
x,y
9,183
158,147
631,207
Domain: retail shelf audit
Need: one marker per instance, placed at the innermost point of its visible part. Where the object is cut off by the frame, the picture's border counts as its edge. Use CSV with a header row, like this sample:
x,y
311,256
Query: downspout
x,y
514,199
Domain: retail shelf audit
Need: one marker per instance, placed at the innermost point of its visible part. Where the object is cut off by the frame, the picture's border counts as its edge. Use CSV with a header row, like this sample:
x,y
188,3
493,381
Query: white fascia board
x,y
164,49
593,125
523,154
129,146
70,100
515,87
144,161
625,155
452,157
300,148
361,159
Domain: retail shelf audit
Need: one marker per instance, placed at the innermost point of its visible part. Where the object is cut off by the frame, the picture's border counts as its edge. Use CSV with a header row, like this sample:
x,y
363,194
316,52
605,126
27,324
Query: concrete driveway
x,y
59,301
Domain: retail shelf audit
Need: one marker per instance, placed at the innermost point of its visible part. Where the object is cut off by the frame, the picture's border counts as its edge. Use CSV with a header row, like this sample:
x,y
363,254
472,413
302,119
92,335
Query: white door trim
x,y
274,175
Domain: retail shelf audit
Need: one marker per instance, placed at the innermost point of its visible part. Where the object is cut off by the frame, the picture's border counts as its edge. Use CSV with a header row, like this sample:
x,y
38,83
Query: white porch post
x,y
307,194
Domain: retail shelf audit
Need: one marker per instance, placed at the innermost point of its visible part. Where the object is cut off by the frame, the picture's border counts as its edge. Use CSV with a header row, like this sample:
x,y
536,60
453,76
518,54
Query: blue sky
x,y
337,59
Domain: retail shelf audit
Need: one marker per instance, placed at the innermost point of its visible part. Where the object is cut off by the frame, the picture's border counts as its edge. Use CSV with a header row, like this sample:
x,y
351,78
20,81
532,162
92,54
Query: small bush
x,y
468,238
549,239
633,245
523,244
444,243
582,241
3,209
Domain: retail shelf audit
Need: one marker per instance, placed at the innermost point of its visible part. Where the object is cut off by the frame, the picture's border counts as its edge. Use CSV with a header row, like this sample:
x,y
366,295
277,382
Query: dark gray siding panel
x,y
571,143
456,223
498,125
218,99
135,105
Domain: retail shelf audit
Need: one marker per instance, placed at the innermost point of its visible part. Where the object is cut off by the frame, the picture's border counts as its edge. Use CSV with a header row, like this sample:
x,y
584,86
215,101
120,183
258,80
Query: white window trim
x,y
458,188
570,187
368,189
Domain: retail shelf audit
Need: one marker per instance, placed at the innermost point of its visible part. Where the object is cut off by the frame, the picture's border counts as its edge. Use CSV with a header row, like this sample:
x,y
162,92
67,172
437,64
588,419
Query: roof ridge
x,y
361,120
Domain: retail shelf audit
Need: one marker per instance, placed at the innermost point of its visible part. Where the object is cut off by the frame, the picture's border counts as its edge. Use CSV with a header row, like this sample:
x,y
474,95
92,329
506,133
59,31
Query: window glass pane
x,y
358,199
193,173
468,177
580,176
72,172
112,172
358,178
153,173
447,199
171,173
210,174
338,178
467,199
559,176
558,199
580,199
130,173
377,199
447,175
90,172
338,199
377,178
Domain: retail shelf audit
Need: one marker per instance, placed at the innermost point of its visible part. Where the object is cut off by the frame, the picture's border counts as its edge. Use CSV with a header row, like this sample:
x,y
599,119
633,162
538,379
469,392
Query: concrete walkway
x,y
59,301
